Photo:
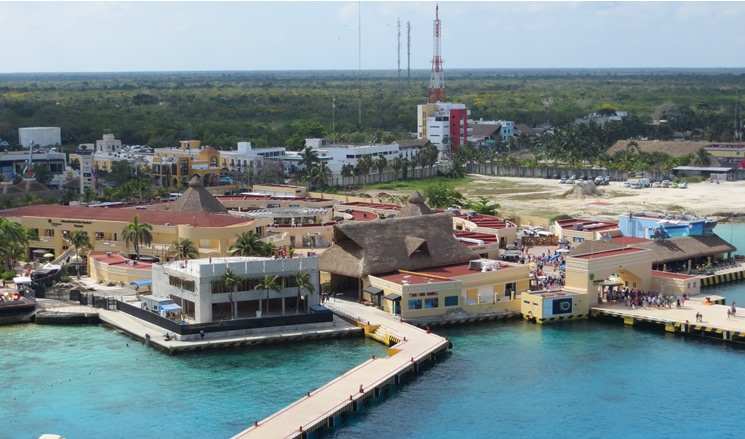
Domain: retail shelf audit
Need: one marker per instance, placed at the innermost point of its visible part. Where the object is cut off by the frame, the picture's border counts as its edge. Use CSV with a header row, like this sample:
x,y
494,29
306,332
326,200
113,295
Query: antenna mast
x,y
408,52
398,26
359,62
437,80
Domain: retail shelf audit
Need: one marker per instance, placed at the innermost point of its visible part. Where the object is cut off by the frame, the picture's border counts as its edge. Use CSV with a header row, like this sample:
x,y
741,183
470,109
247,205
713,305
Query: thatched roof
x,y
668,250
687,247
415,207
7,188
197,199
383,246
673,149
484,130
31,185
412,143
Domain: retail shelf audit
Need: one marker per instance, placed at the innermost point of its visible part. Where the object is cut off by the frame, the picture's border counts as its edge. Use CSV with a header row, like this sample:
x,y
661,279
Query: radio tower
x,y
437,80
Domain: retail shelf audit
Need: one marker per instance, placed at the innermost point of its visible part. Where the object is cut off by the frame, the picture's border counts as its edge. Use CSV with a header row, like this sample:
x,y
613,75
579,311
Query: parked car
x,y
562,180
226,180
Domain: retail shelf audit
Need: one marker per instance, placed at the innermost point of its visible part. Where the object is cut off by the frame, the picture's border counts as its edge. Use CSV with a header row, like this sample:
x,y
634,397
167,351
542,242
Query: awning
x,y
392,296
170,307
140,283
375,291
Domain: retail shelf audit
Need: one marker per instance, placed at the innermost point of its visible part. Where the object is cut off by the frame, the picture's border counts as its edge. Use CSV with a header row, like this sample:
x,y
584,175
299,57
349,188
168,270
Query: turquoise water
x,y
512,379
90,382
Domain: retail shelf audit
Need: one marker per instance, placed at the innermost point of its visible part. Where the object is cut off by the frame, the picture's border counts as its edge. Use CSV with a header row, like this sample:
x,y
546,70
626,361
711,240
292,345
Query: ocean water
x,y
582,379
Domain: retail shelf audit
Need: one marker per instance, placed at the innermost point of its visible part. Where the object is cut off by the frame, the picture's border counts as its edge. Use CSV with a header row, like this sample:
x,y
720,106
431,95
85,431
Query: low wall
x,y
225,325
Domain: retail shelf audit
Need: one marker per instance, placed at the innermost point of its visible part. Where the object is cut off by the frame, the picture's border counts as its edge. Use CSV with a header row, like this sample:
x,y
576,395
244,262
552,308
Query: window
x,y
451,301
431,303
415,304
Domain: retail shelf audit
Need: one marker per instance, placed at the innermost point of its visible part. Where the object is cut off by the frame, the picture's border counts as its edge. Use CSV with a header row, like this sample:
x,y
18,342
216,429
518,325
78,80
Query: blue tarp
x,y
554,256
170,307
140,283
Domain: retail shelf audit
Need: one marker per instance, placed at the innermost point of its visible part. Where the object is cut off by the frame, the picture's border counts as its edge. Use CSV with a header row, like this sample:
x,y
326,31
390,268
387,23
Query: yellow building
x,y
211,233
480,286
171,167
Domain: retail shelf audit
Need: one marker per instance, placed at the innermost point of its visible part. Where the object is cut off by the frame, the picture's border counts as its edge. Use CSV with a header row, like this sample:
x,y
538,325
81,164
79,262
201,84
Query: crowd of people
x,y
634,298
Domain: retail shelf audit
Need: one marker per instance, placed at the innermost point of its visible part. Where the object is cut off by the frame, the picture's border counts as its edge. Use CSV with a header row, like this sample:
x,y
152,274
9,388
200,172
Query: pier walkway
x,y
320,407
714,322
139,330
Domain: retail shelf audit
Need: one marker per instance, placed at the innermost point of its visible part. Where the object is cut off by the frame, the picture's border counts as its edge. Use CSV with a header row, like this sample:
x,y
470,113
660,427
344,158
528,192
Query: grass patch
x,y
416,185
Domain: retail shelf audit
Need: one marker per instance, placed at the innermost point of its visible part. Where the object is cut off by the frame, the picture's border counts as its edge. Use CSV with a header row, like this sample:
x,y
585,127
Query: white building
x,y
246,157
39,136
196,286
108,144
337,155
445,124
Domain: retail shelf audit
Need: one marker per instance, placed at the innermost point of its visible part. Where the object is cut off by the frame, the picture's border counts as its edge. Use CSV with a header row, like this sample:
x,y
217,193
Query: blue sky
x,y
282,35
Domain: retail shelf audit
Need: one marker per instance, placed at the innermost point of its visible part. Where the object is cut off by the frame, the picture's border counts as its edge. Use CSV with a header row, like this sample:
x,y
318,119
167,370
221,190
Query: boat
x,y
16,308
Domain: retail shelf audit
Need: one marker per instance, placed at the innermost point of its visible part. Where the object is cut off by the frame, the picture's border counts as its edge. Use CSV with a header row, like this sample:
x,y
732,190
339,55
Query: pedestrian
x,y
201,333
729,313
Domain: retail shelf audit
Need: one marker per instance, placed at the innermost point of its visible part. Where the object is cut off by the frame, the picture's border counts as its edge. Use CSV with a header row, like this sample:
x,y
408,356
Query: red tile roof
x,y
154,217
607,253
672,275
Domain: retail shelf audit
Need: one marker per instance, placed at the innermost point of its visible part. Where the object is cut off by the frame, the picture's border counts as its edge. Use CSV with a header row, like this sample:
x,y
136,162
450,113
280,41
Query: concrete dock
x,y
140,330
412,346
714,323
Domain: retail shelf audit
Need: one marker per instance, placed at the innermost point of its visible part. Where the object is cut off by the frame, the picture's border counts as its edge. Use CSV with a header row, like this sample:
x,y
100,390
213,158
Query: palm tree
x,y
247,244
186,249
269,283
303,283
89,195
364,164
380,163
231,281
137,233
12,252
79,239
11,233
701,158
309,158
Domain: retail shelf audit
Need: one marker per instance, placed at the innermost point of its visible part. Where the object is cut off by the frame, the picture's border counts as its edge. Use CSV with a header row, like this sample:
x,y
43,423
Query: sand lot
x,y
546,197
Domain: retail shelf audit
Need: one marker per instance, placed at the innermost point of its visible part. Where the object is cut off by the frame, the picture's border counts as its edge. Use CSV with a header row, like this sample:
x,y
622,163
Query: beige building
x,y
212,233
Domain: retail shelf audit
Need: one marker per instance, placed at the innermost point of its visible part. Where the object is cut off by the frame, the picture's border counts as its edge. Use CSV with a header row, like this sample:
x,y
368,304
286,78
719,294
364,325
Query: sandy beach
x,y
547,198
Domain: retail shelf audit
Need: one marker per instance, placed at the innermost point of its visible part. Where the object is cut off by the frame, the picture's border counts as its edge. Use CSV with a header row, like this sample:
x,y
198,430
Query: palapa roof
x,y
415,207
401,243
667,250
31,185
7,188
484,130
197,199
671,148
687,247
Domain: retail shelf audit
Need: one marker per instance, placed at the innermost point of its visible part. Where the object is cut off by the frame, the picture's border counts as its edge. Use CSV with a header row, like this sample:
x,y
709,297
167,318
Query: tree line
x,y
279,108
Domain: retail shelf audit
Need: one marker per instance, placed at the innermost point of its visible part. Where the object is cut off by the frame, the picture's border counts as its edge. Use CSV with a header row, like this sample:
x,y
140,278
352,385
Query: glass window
x,y
451,301
431,303
415,304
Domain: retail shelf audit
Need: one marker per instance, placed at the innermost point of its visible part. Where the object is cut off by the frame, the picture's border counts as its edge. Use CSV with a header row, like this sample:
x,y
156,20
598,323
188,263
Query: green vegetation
x,y
282,108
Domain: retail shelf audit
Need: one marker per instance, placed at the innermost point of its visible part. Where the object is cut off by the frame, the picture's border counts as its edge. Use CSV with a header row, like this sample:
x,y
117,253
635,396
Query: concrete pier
x,y
411,346
715,322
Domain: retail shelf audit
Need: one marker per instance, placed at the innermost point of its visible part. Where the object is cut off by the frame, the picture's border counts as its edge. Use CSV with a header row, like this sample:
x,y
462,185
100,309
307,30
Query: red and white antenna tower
x,y
437,80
